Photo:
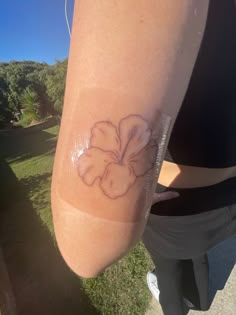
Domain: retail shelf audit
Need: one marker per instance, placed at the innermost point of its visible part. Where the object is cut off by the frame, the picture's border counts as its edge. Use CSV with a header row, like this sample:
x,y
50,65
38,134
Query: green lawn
x,y
35,265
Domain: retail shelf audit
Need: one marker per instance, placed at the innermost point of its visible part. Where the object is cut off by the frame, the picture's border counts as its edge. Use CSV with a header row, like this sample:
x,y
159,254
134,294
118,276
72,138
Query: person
x,y
200,164
132,66
129,66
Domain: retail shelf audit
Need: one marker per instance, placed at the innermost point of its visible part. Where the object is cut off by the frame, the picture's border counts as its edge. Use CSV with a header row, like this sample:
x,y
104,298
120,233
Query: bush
x,y
25,120
30,105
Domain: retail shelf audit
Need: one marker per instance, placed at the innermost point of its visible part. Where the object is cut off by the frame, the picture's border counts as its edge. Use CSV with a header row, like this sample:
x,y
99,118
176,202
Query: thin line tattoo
x,y
117,156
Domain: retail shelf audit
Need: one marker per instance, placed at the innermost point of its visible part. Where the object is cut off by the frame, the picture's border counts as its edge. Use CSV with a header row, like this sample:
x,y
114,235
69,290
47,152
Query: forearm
x,y
121,100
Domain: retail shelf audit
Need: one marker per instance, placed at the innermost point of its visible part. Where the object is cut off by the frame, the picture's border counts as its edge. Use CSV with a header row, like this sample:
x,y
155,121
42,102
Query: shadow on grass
x,y
38,185
17,148
32,183
41,281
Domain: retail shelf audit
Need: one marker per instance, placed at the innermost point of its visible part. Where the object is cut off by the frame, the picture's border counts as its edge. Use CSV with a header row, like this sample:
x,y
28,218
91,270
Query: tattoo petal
x,y
145,160
134,135
104,136
92,164
117,180
117,156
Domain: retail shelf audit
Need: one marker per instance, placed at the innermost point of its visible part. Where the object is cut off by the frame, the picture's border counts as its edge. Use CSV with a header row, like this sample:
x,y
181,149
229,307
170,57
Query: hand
x,y
167,195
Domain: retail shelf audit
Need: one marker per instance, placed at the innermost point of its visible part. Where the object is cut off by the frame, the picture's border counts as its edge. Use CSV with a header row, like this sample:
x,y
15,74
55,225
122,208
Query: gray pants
x,y
178,246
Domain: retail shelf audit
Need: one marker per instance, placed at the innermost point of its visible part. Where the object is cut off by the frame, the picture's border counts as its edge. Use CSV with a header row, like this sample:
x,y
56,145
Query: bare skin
x,y
129,67
182,176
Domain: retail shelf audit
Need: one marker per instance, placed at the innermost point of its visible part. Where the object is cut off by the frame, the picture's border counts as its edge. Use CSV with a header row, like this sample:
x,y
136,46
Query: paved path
x,y
222,261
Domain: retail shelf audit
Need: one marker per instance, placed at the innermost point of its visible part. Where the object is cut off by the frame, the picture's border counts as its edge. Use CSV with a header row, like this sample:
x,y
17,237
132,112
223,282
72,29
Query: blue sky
x,y
34,30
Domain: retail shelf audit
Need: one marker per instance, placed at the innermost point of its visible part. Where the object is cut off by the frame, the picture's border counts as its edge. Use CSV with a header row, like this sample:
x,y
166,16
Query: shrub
x,y
30,105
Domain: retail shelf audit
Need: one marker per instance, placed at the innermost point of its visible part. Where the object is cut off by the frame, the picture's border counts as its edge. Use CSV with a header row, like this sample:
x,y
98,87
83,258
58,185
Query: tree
x,y
56,80
36,81
28,81
16,79
5,113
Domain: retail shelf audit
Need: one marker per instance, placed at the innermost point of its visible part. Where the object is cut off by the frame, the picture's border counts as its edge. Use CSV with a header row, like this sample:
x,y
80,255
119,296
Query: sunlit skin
x,y
127,58
118,155
183,176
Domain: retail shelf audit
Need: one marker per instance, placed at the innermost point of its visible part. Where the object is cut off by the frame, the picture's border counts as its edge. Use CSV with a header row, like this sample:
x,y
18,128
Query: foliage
x,y
56,79
4,110
30,104
46,81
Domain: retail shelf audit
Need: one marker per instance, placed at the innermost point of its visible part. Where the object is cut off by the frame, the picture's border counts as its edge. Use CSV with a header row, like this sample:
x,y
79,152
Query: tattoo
x,y
118,155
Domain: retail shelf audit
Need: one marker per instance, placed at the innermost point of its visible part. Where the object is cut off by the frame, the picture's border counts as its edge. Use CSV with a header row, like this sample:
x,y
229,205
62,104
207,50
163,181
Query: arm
x,y
129,66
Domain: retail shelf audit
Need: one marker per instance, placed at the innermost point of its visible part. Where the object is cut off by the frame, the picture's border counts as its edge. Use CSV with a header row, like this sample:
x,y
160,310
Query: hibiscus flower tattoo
x,y
117,156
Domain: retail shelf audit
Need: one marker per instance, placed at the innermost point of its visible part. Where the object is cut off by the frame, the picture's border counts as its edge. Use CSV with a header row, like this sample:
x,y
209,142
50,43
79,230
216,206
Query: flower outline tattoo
x,y
117,156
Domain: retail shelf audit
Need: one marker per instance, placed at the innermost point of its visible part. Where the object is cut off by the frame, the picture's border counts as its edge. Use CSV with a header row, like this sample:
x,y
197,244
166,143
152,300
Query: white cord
x,y
66,16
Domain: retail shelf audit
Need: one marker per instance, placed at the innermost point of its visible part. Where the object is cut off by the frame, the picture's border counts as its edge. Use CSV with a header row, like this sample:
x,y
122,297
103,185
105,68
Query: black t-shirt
x,y
204,134
205,130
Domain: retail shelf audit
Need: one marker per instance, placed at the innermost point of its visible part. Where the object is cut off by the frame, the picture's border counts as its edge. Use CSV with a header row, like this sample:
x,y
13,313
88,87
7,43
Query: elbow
x,y
79,254
78,262
89,244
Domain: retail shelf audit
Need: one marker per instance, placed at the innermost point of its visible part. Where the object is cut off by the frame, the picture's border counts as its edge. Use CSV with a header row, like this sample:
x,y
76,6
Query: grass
x,y
122,287
31,159
27,232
